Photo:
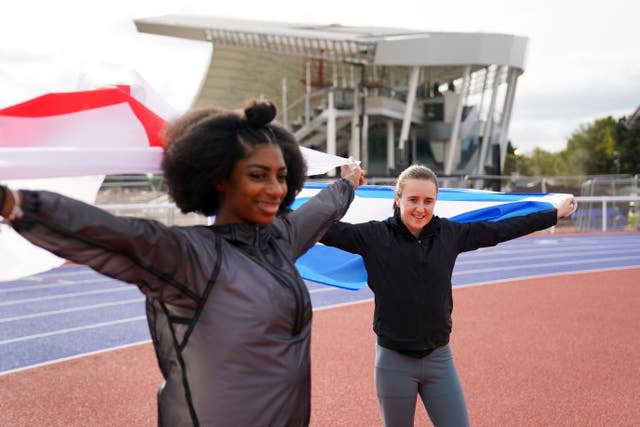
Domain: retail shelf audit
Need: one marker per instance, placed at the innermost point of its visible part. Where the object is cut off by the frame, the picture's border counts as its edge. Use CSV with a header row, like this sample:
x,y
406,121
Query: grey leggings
x,y
400,379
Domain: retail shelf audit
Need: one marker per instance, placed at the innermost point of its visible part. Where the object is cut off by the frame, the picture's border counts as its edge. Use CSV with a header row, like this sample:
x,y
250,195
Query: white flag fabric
x,y
96,132
68,141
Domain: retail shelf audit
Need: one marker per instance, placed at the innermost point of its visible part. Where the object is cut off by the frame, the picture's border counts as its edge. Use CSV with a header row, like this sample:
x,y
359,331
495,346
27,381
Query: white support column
x,y
343,76
365,135
307,94
285,106
488,126
506,114
331,128
391,152
352,75
454,141
484,92
408,112
354,149
374,72
414,149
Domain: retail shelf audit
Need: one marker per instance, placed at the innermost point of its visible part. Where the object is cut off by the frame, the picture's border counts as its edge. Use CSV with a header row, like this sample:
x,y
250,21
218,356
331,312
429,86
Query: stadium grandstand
x,y
387,96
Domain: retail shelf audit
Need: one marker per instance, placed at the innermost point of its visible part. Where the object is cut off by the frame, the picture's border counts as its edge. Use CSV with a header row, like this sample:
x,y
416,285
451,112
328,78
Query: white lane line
x,y
58,285
68,330
76,356
70,310
325,288
578,244
343,304
502,249
586,253
543,275
120,288
546,264
60,272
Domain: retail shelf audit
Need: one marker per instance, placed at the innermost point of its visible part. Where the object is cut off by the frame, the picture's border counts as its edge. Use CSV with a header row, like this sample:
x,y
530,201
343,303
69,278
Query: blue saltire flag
x,y
335,267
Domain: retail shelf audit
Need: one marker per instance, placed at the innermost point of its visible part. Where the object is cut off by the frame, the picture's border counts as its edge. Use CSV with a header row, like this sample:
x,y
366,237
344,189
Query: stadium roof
x,y
364,45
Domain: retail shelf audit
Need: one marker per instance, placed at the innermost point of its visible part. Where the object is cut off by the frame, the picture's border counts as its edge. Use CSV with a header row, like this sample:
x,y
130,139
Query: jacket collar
x,y
247,234
433,227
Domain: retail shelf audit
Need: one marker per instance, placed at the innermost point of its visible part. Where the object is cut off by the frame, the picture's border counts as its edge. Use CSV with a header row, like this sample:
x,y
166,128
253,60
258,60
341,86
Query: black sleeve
x,y
481,234
348,237
311,220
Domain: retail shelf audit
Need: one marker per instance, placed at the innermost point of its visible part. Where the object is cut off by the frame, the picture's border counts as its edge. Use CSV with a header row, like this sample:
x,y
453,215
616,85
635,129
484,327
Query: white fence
x,y
596,209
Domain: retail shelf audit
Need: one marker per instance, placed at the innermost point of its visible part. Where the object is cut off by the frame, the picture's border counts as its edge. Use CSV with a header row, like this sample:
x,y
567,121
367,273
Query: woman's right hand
x,y
353,173
7,203
566,207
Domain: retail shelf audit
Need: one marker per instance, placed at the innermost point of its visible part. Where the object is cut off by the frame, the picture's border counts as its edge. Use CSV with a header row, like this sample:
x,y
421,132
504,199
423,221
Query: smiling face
x,y
256,188
416,202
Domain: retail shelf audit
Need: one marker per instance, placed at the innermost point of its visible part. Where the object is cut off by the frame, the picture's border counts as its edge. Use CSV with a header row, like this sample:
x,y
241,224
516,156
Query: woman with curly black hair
x,y
229,316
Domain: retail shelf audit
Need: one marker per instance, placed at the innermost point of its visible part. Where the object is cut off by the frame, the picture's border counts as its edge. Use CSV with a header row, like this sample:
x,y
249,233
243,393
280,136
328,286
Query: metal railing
x,y
166,213
586,217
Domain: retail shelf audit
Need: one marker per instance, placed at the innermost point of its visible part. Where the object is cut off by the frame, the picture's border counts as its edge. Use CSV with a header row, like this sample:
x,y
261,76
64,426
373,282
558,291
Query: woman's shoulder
x,y
383,226
448,224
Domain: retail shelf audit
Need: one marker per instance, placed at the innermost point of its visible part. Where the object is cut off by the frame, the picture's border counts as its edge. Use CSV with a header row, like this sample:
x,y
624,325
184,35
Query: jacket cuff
x,y
30,207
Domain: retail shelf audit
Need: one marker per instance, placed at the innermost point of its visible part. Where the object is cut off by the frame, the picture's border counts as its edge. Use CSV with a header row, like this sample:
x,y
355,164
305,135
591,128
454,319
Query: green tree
x,y
510,160
593,148
628,138
605,146
540,163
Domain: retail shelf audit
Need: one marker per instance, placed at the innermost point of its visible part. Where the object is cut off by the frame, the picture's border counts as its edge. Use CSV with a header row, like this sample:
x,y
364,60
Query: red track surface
x,y
559,351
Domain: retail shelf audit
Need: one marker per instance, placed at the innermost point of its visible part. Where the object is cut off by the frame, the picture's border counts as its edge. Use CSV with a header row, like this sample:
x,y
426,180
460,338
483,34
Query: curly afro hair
x,y
203,146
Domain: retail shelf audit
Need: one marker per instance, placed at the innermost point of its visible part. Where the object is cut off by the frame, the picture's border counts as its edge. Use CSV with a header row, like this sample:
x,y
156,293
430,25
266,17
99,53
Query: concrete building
x,y
387,96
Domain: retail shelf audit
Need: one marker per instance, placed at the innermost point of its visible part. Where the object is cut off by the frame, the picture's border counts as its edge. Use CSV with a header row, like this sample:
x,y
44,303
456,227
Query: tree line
x,y
604,146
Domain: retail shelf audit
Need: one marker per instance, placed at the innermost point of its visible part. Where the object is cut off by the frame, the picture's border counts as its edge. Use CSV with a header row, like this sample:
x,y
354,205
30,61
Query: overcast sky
x,y
583,59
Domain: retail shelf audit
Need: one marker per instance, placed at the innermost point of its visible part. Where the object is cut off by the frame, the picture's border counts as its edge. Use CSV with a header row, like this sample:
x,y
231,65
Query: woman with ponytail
x,y
409,259
229,316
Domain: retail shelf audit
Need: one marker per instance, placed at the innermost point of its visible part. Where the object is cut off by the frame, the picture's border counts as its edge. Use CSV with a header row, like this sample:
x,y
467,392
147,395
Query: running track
x,y
72,311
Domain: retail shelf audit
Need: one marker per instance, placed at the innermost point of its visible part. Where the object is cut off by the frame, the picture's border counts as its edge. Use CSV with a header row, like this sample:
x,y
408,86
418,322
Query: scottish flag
x,y
334,267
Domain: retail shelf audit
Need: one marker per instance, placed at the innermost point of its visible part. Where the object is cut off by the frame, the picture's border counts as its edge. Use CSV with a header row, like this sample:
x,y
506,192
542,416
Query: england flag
x,y
68,141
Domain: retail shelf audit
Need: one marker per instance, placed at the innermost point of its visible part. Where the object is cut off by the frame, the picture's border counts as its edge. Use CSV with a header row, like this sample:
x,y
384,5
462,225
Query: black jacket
x,y
411,277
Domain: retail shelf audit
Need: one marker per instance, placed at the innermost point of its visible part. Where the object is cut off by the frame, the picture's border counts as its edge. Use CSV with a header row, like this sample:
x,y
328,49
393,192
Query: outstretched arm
x,y
311,220
133,250
481,234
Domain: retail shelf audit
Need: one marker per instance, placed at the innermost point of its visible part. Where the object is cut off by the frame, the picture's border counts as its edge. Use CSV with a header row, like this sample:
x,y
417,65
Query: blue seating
x,y
591,218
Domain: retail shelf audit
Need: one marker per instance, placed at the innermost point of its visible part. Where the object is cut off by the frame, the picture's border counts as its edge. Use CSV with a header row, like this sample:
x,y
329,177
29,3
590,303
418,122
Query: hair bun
x,y
259,113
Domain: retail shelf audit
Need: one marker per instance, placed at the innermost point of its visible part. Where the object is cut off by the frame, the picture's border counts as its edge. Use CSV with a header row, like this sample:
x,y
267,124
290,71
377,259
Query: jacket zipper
x,y
421,291
285,281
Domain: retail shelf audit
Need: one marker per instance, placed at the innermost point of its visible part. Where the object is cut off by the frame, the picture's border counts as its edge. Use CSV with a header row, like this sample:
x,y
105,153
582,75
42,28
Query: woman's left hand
x,y
566,207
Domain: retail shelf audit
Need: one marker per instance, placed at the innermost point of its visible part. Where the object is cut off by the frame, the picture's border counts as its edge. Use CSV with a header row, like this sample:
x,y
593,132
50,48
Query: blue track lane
x,y
72,311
